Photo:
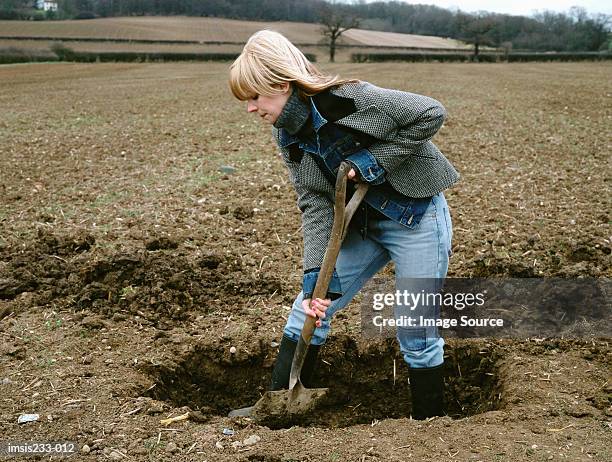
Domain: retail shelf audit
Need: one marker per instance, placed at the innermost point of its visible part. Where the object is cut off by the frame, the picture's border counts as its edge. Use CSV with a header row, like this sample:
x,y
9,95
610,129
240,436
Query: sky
x,y
519,7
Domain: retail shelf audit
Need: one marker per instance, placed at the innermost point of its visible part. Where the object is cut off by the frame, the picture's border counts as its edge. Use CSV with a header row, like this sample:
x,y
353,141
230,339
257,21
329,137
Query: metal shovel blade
x,y
283,406
287,405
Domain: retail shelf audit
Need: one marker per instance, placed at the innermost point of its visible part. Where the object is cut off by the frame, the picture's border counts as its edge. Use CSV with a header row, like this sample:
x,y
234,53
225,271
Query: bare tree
x,y
336,19
476,30
507,47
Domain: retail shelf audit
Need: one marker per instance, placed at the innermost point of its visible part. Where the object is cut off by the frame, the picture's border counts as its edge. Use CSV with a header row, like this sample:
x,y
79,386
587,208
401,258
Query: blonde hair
x,y
269,59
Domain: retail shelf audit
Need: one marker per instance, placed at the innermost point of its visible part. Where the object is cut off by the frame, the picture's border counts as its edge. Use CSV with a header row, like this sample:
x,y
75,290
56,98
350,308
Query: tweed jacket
x,y
396,127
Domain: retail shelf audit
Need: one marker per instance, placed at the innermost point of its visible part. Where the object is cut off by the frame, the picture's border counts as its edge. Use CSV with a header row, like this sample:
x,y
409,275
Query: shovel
x,y
284,405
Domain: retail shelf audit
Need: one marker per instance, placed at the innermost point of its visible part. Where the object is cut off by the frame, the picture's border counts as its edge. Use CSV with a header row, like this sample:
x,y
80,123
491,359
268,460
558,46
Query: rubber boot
x,y
282,367
427,389
282,370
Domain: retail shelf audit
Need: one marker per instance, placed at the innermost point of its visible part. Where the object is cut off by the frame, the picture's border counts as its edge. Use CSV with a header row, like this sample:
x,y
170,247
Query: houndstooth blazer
x,y
401,125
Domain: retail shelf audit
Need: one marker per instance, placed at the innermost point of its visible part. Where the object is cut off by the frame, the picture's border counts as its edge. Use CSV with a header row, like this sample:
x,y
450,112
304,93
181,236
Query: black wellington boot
x,y
282,370
282,367
427,388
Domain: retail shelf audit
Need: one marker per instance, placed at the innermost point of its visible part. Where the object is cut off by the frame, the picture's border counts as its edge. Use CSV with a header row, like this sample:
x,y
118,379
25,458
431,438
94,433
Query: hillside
x,y
207,29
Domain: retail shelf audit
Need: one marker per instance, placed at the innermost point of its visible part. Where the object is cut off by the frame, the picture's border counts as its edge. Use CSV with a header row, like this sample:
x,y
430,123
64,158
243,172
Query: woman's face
x,y
270,107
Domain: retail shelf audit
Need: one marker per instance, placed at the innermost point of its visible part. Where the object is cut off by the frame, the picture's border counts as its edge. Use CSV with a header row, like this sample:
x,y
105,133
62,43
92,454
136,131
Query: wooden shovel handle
x,y
342,216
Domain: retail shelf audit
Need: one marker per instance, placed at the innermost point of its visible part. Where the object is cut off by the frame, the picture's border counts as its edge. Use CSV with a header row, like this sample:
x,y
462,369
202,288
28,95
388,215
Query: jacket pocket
x,y
425,151
424,156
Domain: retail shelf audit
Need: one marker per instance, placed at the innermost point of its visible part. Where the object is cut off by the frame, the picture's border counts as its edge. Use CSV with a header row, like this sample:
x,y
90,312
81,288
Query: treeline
x,y
264,10
575,30
481,58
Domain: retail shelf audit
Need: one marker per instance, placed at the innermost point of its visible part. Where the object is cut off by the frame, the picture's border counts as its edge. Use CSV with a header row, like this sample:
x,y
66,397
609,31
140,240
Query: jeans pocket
x,y
419,216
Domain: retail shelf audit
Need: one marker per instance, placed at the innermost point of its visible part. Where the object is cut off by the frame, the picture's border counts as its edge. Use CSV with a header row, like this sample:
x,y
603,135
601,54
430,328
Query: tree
x,y
507,47
575,31
16,9
476,30
336,19
592,32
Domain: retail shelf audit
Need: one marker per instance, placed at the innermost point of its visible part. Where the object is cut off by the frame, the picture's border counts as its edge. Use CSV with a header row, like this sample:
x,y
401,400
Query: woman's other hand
x,y
353,175
316,308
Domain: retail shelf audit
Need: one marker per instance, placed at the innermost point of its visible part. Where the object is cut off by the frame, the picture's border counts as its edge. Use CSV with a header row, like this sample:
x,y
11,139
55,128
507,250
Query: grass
x,y
127,292
53,324
85,333
109,198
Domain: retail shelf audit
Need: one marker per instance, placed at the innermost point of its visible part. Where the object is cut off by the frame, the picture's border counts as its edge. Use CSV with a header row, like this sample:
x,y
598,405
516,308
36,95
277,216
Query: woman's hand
x,y
352,175
316,308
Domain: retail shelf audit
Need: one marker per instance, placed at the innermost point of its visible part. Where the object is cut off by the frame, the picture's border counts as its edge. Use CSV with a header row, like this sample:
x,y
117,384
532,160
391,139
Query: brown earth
x,y
208,29
147,226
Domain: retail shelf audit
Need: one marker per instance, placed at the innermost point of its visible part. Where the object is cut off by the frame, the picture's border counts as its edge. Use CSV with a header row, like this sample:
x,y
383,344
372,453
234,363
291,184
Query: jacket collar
x,y
286,137
324,107
294,115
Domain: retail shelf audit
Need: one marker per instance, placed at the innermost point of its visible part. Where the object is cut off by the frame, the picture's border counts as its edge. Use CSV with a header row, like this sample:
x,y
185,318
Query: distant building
x,y
46,5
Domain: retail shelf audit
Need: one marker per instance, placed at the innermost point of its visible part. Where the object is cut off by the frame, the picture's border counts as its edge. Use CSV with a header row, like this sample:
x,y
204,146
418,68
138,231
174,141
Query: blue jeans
x,y
420,252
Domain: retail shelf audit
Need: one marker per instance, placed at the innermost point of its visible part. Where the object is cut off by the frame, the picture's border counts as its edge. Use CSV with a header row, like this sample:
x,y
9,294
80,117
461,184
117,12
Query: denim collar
x,y
293,117
317,119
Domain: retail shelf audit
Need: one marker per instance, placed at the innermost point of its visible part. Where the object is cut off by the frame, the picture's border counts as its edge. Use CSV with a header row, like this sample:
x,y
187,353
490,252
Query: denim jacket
x,y
330,144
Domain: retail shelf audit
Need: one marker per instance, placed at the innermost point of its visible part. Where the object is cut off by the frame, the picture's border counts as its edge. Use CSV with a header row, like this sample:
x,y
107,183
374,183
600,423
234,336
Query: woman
x,y
320,120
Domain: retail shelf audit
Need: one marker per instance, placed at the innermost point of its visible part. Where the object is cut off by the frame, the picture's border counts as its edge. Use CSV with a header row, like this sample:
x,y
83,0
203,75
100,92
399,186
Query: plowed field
x,y
147,226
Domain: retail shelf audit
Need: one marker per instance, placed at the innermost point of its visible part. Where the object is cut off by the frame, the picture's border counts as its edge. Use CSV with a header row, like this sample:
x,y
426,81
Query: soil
x,y
150,250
